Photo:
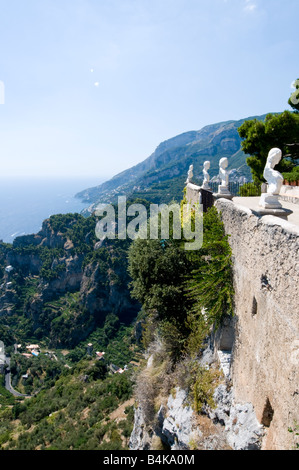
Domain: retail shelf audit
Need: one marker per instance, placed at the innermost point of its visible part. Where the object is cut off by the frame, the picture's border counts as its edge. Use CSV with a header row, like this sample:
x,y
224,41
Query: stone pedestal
x,y
270,205
270,201
223,192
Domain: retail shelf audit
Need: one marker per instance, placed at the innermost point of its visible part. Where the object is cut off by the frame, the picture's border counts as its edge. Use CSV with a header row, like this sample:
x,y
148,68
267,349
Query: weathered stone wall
x,y
290,194
192,193
265,360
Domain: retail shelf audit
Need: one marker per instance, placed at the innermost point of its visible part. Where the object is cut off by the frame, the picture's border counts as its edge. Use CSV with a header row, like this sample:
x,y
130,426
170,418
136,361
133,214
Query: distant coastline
x,y
25,204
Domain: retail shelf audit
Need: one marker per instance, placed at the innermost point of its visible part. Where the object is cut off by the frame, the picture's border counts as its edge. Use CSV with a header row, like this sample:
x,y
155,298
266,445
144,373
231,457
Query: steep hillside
x,y
64,283
161,176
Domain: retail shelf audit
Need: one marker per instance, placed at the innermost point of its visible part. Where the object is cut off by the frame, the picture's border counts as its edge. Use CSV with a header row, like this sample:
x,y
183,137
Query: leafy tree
x,y
278,130
98,371
158,271
211,284
179,285
6,335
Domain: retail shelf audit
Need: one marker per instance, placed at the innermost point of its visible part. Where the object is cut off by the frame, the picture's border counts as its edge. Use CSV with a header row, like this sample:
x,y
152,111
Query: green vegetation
x,y
278,130
77,401
292,175
47,300
64,293
163,192
211,283
115,339
68,289
203,387
73,414
176,284
40,372
184,295
6,335
294,430
250,190
6,398
158,271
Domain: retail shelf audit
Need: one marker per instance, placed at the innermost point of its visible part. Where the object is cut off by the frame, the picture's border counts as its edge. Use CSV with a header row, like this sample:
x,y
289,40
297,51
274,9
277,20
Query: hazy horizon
x,y
27,202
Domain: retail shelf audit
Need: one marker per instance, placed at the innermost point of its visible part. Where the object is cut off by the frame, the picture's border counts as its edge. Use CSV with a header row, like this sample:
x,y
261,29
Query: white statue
x,y
206,167
223,164
273,177
269,200
190,174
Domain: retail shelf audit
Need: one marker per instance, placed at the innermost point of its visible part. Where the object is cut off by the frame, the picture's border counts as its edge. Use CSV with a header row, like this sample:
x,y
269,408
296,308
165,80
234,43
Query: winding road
x,y
8,385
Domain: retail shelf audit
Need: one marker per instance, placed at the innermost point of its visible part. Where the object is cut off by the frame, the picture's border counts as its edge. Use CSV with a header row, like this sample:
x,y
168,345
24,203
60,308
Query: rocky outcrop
x,y
174,426
141,438
229,425
47,236
106,291
69,280
28,263
241,427
177,426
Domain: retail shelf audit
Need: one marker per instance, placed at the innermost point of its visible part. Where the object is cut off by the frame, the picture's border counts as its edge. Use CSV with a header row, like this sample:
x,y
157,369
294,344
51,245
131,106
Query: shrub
x,y
250,189
293,175
211,283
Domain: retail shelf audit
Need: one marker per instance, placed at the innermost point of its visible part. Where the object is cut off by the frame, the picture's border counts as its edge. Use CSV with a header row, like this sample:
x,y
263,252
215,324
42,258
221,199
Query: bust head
x,y
274,157
207,165
223,163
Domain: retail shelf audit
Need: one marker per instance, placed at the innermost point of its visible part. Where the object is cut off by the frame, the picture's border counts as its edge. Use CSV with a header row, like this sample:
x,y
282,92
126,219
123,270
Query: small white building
x,y
100,355
32,346
8,269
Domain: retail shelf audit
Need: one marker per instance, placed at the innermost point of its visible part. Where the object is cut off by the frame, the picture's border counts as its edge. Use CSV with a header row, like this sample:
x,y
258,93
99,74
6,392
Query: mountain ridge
x,y
170,162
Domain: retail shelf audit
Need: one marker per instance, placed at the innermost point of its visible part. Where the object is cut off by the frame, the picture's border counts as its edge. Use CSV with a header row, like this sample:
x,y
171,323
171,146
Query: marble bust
x,y
190,174
206,167
274,180
273,177
223,164
223,190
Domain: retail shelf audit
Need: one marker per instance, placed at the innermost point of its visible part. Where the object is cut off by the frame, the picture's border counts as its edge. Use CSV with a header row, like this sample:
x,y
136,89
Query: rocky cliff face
x,y
230,425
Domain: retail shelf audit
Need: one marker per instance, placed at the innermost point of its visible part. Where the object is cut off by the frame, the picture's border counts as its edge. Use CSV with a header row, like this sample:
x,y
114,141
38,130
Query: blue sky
x,y
93,86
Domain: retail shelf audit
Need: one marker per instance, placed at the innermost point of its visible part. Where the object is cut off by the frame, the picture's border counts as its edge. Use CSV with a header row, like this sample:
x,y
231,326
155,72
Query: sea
x,y
26,203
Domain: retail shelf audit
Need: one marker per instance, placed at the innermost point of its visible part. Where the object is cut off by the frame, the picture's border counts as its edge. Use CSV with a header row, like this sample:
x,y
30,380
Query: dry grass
x,y
210,436
119,414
